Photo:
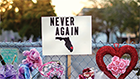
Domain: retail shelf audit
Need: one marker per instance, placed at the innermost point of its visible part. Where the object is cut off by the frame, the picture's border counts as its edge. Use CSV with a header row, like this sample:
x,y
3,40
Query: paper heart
x,y
116,52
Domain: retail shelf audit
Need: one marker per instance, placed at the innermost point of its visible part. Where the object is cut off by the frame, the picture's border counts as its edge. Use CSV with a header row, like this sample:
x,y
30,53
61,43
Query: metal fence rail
x,y
73,64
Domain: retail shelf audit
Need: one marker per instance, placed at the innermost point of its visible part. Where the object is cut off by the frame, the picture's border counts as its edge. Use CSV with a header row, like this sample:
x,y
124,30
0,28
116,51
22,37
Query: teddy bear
x,y
33,57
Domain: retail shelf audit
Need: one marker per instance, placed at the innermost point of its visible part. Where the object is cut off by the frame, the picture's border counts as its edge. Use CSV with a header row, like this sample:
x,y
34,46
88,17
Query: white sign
x,y
66,35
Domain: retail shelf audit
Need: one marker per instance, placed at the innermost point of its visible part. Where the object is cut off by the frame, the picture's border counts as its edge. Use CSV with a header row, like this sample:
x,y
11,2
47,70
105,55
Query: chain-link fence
x,y
73,64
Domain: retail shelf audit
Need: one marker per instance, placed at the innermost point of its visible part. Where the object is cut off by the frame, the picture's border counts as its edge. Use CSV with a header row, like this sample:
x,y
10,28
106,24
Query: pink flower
x,y
57,69
81,76
123,70
116,62
115,68
48,73
86,74
115,58
114,73
127,62
109,67
118,66
122,65
51,75
112,64
52,69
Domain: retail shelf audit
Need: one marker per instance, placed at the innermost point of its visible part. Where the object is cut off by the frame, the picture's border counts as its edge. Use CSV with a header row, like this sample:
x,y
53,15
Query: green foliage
x,y
117,15
27,21
124,15
100,21
96,15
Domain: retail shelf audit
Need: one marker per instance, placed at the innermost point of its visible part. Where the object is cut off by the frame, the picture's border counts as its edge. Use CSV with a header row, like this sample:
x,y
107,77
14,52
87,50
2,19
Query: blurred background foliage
x,y
25,16
116,15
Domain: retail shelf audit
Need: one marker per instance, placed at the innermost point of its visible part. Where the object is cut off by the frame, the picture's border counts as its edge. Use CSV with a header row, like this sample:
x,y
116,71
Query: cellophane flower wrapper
x,y
8,72
24,71
51,69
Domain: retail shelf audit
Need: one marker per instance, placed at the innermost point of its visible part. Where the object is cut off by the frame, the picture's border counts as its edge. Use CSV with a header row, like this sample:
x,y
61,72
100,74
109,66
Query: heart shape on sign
x,y
126,49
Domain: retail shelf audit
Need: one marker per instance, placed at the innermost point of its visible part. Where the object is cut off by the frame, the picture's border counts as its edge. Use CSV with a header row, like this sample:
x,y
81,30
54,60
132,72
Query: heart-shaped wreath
x,y
119,52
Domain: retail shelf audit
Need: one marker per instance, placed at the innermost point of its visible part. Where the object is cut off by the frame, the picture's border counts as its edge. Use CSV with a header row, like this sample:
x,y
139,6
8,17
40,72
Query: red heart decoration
x,y
126,49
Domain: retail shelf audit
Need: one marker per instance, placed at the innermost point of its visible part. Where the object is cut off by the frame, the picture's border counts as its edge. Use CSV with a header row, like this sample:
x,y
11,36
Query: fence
x,y
73,64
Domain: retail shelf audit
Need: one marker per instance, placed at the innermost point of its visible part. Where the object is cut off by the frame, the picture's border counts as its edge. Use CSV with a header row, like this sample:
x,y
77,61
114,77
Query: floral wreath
x,y
87,73
52,69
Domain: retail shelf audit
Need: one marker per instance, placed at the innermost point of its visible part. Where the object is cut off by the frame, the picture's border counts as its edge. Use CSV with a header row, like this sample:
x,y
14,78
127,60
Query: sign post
x,y
69,66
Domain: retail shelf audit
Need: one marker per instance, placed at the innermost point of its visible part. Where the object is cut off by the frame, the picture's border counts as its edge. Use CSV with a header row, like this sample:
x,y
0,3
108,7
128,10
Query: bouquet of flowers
x,y
87,73
7,71
118,66
52,70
